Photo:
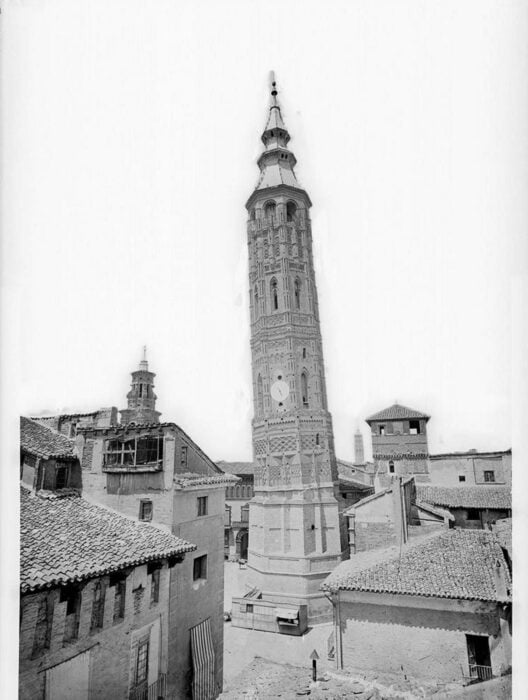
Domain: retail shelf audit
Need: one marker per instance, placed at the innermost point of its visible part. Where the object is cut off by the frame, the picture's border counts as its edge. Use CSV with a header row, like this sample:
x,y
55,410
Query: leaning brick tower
x,y
295,534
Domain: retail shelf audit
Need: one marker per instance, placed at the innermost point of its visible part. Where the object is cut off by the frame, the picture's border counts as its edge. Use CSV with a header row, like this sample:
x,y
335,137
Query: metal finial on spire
x,y
273,83
144,364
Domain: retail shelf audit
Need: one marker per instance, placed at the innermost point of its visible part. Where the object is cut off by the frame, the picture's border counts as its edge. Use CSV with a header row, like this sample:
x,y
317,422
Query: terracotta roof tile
x,y
396,412
191,479
42,441
457,564
466,496
237,467
70,539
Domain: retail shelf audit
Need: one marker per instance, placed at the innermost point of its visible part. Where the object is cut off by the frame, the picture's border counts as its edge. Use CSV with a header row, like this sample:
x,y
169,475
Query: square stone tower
x,y
295,535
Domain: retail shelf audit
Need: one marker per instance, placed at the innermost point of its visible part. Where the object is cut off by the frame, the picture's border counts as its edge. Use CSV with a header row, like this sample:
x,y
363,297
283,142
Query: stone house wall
x,y
446,470
192,602
435,640
111,648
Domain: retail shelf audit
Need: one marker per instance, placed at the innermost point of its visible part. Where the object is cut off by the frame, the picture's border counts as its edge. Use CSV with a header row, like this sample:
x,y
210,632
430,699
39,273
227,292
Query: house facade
x,y
94,619
448,595
153,471
472,507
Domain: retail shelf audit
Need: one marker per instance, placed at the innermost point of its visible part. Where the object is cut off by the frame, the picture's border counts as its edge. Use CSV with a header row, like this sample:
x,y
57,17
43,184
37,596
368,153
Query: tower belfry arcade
x,y
295,538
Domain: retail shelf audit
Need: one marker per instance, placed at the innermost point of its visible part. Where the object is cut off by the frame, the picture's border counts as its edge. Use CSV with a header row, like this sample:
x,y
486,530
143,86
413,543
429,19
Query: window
x,y
42,637
274,295
183,456
304,389
382,430
489,476
414,427
61,476
202,505
146,510
72,597
304,353
98,607
479,658
118,581
297,293
391,467
461,477
141,669
473,514
132,452
255,297
291,210
153,570
200,568
317,438
270,209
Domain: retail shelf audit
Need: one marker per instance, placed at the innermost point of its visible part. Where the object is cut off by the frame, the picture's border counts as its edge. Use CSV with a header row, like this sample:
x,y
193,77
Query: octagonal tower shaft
x,y
295,538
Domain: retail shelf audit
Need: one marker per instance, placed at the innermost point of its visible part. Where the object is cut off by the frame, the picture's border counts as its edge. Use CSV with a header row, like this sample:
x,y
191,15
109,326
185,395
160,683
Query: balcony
x,y
481,673
155,691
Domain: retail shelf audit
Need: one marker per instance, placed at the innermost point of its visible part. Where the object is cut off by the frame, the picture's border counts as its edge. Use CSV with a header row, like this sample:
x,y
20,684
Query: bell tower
x,y
141,398
295,535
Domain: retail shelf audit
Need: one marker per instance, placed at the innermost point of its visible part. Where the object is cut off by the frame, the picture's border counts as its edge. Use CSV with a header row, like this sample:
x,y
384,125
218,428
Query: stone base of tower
x,y
292,580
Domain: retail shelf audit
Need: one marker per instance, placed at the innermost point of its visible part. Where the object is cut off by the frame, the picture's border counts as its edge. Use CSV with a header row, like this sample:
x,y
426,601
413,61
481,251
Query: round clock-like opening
x,y
279,377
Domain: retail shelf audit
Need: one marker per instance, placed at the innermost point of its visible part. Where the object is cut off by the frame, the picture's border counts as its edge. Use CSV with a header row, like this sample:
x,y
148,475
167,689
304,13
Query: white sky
x,y
133,131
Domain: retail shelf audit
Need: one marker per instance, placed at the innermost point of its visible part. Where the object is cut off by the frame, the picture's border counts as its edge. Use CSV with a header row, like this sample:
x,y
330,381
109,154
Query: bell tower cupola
x,y
141,397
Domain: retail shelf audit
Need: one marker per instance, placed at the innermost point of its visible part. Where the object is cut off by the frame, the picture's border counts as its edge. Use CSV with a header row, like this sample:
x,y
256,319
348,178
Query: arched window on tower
x,y
252,215
297,293
274,295
270,209
291,210
304,389
391,467
255,302
260,395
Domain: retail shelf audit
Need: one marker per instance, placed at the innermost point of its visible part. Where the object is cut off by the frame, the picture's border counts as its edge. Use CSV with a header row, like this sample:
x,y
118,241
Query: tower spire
x,y
141,398
277,162
143,365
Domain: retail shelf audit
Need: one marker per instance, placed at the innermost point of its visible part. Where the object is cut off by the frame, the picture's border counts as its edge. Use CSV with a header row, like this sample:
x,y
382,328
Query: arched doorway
x,y
242,540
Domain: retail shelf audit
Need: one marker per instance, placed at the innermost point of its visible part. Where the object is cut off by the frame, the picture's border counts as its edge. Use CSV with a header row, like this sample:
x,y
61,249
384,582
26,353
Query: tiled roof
x,y
466,496
472,453
503,531
191,479
237,467
435,510
70,539
396,412
357,483
457,564
38,440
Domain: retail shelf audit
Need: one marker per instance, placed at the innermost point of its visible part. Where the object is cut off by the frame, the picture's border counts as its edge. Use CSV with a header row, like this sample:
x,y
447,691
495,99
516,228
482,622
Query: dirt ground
x,y
263,679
